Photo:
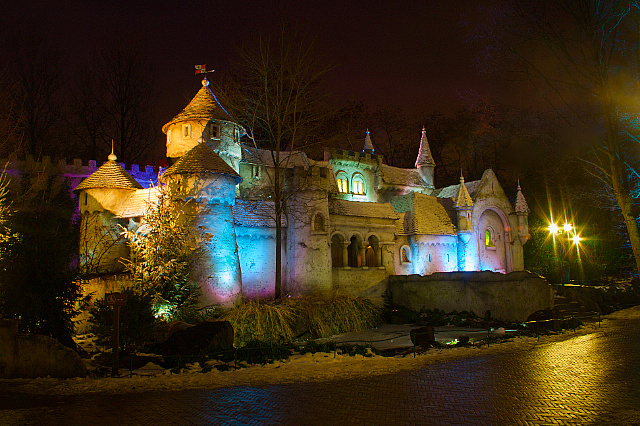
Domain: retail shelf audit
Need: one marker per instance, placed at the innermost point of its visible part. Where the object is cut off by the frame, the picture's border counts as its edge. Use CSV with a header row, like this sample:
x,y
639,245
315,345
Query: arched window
x,y
343,183
337,244
358,184
405,254
488,238
372,252
318,223
355,259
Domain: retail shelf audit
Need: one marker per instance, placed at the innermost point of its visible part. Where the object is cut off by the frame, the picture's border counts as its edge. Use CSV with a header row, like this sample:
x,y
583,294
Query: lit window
x,y
343,185
404,254
488,238
358,186
186,130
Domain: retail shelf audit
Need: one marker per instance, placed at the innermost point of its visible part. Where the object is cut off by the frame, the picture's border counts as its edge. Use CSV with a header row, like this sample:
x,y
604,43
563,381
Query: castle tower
x,y
424,162
202,177
368,146
99,196
522,210
464,207
204,117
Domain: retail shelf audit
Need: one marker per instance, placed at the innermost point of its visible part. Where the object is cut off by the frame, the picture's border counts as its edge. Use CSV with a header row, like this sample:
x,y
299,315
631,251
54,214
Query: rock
x,y
165,330
423,336
195,341
498,332
463,339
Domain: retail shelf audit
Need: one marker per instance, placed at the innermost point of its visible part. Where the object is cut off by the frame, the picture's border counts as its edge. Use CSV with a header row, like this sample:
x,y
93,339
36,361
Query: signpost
x,y
116,300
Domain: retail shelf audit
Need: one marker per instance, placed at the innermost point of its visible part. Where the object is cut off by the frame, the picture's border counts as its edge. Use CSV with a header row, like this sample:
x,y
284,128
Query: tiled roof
x,y
452,191
521,203
423,214
463,199
200,160
203,106
137,204
109,175
397,176
264,157
424,153
363,209
256,213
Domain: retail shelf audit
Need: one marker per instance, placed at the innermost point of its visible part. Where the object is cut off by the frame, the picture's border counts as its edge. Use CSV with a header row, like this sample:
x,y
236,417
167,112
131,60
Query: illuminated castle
x,y
351,220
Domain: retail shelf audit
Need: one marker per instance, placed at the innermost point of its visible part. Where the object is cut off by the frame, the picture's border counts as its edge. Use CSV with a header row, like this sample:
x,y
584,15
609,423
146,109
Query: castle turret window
x,y
213,131
343,183
358,185
186,130
488,238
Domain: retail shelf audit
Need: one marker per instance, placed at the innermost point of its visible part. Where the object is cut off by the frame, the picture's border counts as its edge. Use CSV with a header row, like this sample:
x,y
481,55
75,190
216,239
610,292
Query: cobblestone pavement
x,y
591,379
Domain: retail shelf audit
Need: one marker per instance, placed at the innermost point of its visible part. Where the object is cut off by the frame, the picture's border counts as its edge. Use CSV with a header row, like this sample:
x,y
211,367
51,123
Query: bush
x,y
137,322
274,322
342,314
264,321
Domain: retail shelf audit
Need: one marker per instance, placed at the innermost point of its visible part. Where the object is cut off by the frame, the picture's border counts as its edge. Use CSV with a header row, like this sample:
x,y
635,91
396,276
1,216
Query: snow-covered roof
x,y
423,214
264,157
402,177
109,175
362,209
256,213
203,106
452,191
424,153
200,160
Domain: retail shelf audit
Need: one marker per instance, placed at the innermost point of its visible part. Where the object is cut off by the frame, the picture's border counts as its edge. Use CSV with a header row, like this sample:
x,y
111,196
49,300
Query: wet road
x,y
590,379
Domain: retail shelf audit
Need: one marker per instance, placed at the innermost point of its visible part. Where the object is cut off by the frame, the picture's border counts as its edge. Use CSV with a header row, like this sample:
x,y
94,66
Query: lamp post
x,y
566,230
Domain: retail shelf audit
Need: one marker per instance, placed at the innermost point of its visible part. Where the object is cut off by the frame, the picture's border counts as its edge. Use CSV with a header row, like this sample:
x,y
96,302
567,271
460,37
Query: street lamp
x,y
566,230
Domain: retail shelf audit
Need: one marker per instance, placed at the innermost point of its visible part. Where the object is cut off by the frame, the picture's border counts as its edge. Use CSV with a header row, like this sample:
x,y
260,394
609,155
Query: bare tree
x,y
277,98
582,55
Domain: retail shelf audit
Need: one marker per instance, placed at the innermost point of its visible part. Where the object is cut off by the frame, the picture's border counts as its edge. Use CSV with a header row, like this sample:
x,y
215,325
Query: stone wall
x,y
31,355
511,296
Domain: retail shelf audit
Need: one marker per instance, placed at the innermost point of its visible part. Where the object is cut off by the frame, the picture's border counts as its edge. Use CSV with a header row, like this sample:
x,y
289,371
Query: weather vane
x,y
202,69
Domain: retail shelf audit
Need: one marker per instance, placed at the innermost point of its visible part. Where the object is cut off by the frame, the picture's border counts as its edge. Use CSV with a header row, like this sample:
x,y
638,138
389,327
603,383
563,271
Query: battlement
x,y
343,154
146,175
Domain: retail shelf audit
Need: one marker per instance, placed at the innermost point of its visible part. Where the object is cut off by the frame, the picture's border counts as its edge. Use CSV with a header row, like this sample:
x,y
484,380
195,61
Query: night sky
x,y
415,55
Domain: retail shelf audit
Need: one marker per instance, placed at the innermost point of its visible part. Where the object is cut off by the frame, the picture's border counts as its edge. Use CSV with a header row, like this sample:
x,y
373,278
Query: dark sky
x,y
412,54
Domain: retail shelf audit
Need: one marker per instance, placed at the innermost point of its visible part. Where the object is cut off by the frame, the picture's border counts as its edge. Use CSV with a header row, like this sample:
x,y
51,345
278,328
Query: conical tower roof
x,y
203,106
521,203
198,161
368,145
463,199
109,175
424,153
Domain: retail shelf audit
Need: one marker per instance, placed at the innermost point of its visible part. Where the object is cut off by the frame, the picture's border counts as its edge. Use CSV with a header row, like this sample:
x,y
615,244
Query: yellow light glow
x,y
553,228
576,239
567,227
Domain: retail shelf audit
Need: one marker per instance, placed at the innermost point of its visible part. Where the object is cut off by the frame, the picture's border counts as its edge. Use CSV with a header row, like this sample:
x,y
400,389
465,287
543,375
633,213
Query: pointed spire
x,y
424,153
463,199
112,156
368,146
521,203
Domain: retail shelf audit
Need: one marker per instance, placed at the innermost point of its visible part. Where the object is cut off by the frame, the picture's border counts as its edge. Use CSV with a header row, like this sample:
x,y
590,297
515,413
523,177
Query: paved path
x,y
591,379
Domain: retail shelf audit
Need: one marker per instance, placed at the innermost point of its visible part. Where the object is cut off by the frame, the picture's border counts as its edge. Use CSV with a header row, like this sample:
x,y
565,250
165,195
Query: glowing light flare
x,y
553,228
567,227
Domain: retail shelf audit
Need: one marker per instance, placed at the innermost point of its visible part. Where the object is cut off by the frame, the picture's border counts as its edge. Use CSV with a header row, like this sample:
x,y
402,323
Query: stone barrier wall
x,y
510,297
32,355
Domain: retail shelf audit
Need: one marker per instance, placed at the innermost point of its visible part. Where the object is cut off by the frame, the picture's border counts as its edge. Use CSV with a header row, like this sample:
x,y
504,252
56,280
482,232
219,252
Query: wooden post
x,y
116,340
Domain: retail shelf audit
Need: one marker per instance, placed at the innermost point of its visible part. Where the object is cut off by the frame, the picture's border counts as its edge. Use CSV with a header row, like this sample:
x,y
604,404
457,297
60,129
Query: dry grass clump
x,y
262,321
341,314
280,322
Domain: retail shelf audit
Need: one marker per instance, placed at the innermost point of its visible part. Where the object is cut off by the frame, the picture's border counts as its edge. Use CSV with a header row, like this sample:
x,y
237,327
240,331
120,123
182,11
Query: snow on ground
x,y
298,368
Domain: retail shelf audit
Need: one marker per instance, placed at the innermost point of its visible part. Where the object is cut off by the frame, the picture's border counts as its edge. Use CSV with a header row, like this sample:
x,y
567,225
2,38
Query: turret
x,y
464,207
368,146
424,162
522,210
202,177
204,118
